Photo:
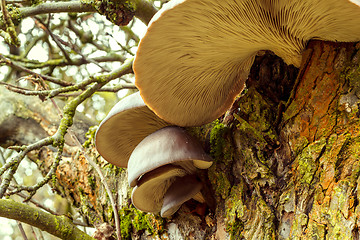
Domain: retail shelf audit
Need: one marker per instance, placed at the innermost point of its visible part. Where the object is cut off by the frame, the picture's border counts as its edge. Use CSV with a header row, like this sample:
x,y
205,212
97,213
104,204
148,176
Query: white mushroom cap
x,y
181,190
196,55
149,192
169,145
128,122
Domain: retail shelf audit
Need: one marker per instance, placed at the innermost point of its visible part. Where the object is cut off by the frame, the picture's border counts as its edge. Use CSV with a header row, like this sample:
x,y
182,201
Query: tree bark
x,y
290,170
285,160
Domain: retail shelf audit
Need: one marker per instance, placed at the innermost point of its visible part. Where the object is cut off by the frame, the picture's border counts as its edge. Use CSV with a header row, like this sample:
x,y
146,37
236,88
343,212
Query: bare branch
x,y
56,38
23,69
56,7
32,190
144,10
21,230
59,91
60,62
18,158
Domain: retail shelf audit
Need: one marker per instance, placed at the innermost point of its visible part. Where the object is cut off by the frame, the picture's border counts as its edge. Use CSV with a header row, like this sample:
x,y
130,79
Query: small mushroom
x,y
127,123
169,145
181,190
163,158
149,192
196,55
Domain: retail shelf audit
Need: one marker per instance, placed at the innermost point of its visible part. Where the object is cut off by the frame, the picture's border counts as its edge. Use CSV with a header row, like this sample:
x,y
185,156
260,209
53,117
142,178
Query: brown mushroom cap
x,y
128,122
149,192
196,55
181,190
169,145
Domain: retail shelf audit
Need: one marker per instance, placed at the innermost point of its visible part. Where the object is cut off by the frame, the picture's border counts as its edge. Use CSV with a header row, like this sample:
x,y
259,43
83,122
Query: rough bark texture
x,y
290,171
285,160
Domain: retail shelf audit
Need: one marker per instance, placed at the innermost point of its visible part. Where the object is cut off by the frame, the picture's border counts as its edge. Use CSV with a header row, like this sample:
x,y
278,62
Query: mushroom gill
x,y
196,55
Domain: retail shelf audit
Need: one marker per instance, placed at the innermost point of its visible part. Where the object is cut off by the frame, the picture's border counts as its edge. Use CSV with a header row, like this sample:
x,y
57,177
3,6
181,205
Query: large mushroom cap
x,y
169,145
196,54
149,193
128,122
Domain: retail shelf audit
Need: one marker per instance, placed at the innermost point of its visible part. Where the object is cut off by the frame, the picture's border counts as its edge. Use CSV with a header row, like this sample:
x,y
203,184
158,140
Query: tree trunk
x,y
285,160
290,170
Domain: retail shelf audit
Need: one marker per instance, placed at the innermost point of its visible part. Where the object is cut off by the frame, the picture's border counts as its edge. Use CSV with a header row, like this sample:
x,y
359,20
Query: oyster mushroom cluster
x,y
162,160
190,65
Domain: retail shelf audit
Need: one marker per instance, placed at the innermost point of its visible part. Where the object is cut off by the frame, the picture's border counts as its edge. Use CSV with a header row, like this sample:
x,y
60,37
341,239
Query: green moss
x,y
81,190
112,170
119,12
132,219
220,183
155,223
260,115
125,226
235,210
35,2
301,143
220,148
235,230
221,151
308,160
92,182
244,127
90,135
139,221
15,14
54,180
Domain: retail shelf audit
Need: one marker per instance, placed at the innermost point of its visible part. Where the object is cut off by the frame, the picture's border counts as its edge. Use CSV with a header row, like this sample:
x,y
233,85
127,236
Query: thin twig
x,y
60,62
103,181
23,234
87,37
23,69
45,28
32,190
99,172
57,92
15,161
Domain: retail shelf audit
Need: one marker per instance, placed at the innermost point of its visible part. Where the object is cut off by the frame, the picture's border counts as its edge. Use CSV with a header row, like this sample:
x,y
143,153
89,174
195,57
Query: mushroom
x,y
169,145
149,193
160,160
196,55
183,189
127,123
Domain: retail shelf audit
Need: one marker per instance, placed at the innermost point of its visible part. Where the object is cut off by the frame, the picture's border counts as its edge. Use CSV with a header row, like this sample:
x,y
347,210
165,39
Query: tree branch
x,y
144,10
56,7
23,69
59,226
